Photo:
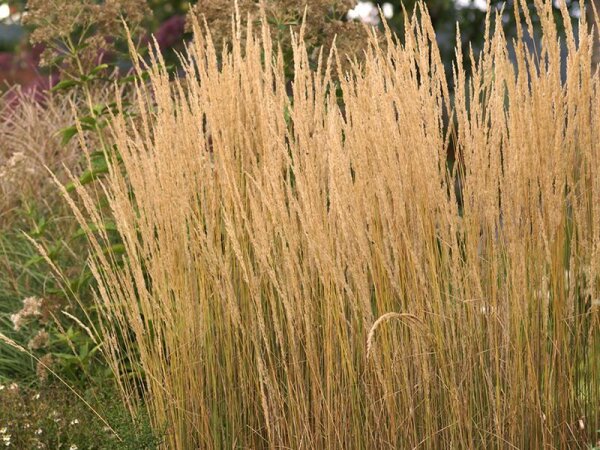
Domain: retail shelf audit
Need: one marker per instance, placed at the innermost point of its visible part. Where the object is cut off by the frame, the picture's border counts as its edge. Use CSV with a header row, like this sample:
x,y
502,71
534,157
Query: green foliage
x,y
68,352
53,418
28,275
69,349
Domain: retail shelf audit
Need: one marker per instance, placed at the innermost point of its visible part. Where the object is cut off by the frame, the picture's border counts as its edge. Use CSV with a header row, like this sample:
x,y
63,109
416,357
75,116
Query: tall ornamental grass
x,y
308,271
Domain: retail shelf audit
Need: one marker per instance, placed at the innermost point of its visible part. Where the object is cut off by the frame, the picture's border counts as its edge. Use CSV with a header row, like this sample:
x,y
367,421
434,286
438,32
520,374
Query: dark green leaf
x,y
117,249
99,68
64,84
67,134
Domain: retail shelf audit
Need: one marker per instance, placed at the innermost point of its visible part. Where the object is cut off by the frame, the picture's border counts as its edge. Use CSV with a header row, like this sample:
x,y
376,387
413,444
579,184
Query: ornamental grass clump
x,y
29,146
308,271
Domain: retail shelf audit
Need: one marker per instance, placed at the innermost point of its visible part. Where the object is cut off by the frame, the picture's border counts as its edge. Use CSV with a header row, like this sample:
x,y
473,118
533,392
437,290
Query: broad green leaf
x,y
67,134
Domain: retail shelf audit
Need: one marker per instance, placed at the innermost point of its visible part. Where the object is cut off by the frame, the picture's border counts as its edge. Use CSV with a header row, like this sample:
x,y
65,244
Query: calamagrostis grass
x,y
304,275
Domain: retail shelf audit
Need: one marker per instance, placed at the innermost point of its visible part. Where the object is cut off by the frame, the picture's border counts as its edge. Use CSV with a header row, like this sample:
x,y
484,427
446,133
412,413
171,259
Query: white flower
x,y
74,421
388,10
73,447
575,10
477,4
4,11
17,321
2,387
366,12
38,431
31,308
3,430
7,17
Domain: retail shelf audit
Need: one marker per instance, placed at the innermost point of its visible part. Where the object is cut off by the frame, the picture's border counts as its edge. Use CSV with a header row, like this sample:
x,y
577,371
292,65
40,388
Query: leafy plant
x,y
52,418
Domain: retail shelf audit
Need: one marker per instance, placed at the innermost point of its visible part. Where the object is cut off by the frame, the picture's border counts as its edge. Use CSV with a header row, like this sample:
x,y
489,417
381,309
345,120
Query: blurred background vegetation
x,y
19,62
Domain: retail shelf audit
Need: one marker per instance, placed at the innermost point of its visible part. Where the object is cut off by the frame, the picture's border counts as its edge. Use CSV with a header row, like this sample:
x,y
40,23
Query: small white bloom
x,y
73,447
38,431
481,5
388,10
575,10
6,16
3,430
364,9
36,396
17,321
4,11
74,421
366,12
2,387
477,4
